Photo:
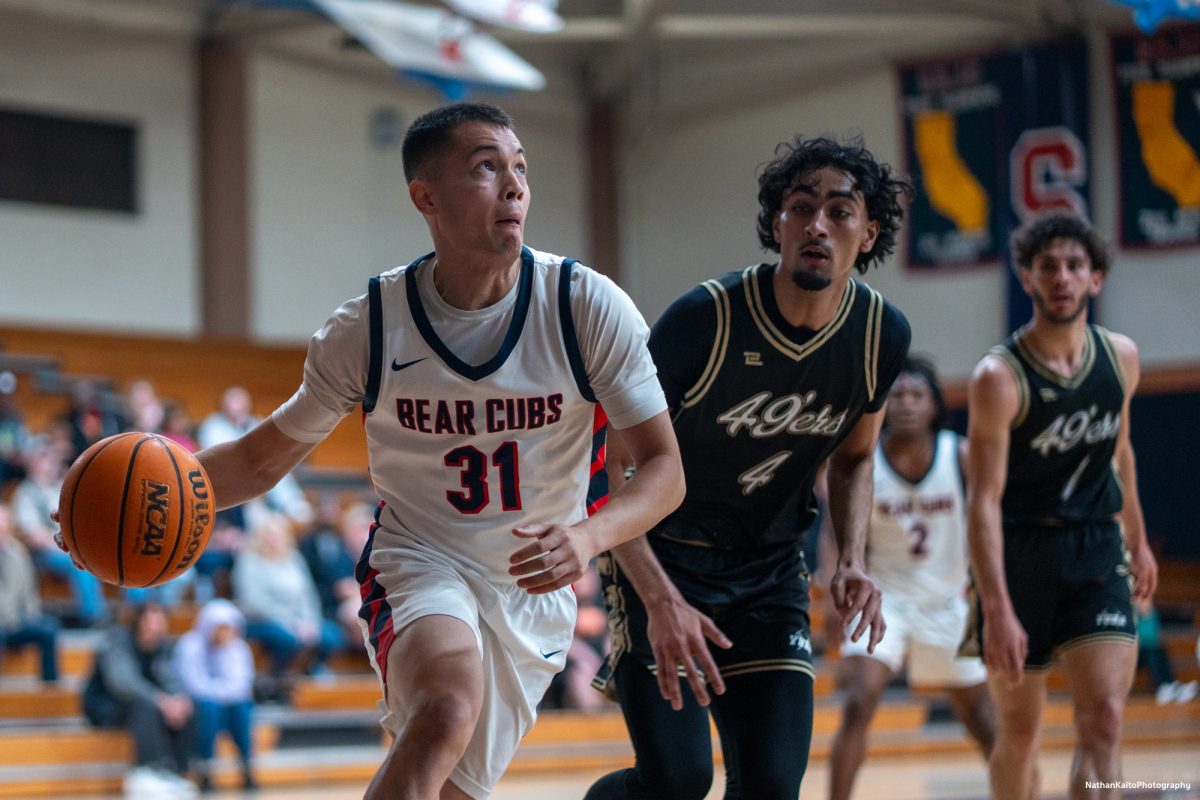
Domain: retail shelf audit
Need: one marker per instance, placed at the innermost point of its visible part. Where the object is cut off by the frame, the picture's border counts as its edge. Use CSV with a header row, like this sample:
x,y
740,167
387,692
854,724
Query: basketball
x,y
136,510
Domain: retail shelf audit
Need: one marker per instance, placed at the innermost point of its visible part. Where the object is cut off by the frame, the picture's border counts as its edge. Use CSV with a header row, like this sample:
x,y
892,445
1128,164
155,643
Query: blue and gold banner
x,y
953,116
1157,83
990,140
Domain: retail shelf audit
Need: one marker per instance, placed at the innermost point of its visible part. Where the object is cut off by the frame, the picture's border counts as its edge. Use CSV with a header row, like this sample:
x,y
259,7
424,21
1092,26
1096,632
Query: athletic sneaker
x,y
148,783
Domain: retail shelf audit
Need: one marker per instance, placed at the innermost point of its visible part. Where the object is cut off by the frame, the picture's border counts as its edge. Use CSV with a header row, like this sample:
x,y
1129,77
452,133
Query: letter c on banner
x,y
1046,166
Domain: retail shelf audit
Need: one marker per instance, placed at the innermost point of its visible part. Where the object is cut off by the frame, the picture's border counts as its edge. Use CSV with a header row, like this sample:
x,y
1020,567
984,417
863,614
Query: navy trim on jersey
x,y
520,312
375,368
570,339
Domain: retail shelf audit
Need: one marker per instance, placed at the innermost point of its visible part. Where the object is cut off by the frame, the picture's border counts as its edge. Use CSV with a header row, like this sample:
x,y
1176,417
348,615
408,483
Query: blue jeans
x,y
86,588
41,631
213,717
282,646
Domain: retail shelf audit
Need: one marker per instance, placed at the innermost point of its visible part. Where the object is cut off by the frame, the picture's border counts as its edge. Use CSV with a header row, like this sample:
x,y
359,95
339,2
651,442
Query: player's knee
x,y
859,709
445,719
1099,722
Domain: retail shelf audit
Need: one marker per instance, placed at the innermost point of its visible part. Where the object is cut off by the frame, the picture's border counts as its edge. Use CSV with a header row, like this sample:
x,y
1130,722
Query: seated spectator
x,y
179,427
1153,656
216,668
33,502
144,411
21,619
235,417
93,415
273,587
332,550
14,435
133,685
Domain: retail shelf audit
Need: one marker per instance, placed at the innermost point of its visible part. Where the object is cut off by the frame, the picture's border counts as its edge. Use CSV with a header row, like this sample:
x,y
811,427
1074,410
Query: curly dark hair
x,y
881,189
430,134
1036,234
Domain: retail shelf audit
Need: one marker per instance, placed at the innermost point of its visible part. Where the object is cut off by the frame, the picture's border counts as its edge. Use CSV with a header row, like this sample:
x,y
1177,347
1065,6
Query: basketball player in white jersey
x,y
480,369
917,553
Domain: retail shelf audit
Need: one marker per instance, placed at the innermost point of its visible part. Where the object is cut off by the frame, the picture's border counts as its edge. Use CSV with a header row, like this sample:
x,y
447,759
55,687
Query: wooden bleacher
x,y
191,372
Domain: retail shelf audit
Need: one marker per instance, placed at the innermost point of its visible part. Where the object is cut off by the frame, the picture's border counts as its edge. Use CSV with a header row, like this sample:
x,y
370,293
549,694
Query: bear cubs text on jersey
x,y
493,415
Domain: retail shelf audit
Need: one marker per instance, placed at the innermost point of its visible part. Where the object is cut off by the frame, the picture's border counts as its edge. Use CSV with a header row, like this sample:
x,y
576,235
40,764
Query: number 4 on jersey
x,y
761,474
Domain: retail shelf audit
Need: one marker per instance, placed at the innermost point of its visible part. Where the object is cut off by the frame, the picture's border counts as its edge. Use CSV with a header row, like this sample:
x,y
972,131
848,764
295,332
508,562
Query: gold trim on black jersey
x,y
874,329
1105,337
1049,373
777,338
716,356
1004,354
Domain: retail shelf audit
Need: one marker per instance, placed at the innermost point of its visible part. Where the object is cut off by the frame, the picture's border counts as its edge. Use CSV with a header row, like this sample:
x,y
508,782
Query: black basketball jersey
x,y
1060,459
759,404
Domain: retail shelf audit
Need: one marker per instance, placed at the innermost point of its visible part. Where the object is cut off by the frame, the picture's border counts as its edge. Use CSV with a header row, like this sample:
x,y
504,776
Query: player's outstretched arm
x,y
992,405
678,633
559,554
850,487
246,467
1141,559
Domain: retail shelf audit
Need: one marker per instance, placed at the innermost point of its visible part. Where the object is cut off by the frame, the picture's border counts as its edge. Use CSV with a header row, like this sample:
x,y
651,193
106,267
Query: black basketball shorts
x,y
1070,586
758,598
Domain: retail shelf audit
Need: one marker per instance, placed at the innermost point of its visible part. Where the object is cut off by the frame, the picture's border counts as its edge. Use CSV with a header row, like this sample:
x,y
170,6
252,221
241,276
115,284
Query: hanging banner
x,y
953,113
1047,145
1157,84
990,139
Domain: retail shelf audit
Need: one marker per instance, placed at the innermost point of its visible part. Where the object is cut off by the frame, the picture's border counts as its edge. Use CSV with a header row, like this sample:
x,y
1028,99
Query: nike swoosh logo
x,y
548,655
397,367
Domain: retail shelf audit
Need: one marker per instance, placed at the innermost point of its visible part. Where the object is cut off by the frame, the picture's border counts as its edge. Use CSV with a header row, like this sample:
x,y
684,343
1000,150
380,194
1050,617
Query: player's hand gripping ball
x,y
136,509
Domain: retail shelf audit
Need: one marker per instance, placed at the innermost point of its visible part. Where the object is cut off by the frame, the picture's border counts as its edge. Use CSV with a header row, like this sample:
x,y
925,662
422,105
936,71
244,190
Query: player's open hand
x,y
679,636
554,558
856,595
1005,646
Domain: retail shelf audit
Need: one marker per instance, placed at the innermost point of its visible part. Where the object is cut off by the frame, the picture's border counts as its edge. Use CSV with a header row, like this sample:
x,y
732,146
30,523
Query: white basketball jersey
x,y
917,545
461,454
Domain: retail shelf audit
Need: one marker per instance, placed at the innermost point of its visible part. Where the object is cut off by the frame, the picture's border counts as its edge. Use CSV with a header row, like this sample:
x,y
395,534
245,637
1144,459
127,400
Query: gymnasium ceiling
x,y
684,54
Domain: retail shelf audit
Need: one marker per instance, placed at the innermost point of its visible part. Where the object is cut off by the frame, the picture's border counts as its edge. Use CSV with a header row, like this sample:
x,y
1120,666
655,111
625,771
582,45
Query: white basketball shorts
x,y
523,641
928,633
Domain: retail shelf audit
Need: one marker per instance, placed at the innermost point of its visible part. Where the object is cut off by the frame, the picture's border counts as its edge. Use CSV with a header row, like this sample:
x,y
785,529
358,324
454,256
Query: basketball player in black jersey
x,y
769,371
1051,488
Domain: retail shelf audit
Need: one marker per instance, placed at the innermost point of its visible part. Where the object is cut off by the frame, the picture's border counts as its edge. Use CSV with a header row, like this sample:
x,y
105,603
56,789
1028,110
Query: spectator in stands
x,y
14,435
179,428
331,550
1154,657
34,501
216,668
133,686
93,415
144,411
21,619
231,420
273,587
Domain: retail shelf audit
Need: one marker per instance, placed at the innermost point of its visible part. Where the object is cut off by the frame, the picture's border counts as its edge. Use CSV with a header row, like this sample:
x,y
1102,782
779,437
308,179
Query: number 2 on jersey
x,y
474,478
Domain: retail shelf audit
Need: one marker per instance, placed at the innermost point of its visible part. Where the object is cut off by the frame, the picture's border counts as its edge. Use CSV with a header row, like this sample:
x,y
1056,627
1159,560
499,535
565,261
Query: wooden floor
x,y
945,777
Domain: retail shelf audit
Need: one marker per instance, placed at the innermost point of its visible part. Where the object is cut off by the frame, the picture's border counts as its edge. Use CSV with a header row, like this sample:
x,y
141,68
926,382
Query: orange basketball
x,y
136,509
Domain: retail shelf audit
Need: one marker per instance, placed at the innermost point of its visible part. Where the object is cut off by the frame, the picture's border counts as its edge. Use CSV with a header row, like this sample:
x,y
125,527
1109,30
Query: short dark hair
x,y
880,188
1036,234
431,133
918,365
